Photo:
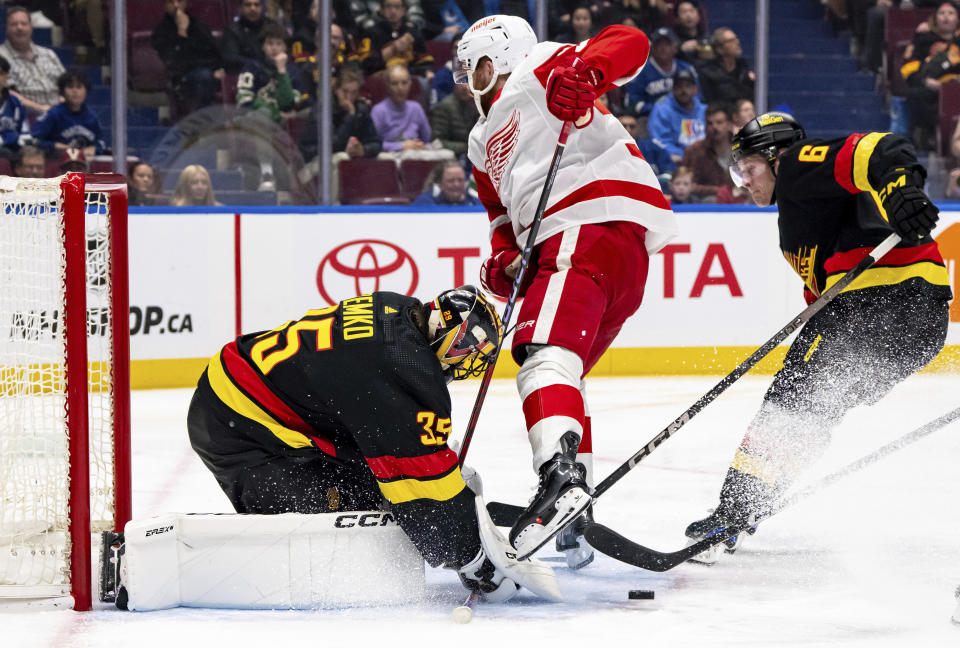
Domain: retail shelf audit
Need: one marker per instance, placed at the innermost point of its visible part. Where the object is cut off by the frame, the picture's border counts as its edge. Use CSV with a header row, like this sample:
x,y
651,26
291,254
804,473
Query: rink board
x,y
714,294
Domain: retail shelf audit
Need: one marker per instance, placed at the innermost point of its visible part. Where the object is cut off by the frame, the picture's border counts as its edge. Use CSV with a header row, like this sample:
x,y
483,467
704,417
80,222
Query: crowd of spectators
x,y
393,95
911,73
390,97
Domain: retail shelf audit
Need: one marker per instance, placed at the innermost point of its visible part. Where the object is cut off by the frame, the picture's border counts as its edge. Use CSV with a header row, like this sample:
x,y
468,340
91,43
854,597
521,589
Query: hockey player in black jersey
x,y
837,199
347,409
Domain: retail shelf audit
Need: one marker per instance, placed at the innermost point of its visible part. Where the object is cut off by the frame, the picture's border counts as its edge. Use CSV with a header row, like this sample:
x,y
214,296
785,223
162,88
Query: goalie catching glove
x,y
910,212
495,571
571,92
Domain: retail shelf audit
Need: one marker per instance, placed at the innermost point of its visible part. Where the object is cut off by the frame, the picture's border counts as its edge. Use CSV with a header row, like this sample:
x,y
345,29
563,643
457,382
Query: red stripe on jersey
x,y
553,400
610,188
247,378
843,165
842,261
586,441
323,445
503,238
488,195
634,150
432,465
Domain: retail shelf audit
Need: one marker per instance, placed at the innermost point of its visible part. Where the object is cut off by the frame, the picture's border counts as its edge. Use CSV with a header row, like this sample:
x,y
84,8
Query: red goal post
x,y
64,381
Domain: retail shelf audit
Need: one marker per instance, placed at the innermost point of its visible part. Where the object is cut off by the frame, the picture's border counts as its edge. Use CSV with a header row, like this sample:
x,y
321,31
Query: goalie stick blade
x,y
609,542
504,515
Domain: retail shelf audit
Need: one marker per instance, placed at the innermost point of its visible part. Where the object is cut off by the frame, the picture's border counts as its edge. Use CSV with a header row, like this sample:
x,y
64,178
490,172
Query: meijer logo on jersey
x,y
365,266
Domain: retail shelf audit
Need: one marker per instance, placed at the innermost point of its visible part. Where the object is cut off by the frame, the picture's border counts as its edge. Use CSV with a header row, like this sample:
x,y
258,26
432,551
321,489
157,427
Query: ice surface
x,y
873,561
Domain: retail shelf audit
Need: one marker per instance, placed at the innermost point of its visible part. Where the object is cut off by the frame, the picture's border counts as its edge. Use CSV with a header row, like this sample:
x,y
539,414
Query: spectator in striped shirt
x,y
34,70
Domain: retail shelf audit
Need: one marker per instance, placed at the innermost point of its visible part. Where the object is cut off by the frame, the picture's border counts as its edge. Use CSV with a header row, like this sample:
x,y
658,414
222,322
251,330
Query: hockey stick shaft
x,y
877,253
515,290
613,544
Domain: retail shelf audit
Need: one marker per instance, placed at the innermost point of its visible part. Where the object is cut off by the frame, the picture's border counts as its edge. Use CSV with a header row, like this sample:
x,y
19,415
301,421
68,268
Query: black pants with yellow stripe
x,y
851,353
859,347
260,474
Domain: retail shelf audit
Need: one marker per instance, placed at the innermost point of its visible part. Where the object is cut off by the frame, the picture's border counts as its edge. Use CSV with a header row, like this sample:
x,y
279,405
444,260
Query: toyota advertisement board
x,y
720,284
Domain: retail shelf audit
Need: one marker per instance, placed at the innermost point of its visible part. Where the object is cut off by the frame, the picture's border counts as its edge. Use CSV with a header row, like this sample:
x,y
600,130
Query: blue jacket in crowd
x,y
78,129
12,121
436,197
657,156
651,84
675,126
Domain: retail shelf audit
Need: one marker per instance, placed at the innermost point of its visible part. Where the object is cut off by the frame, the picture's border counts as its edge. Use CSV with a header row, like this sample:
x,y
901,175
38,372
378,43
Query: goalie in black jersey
x,y
837,199
347,409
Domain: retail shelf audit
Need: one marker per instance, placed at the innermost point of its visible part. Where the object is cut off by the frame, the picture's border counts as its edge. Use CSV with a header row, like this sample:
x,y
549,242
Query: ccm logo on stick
x,y
364,520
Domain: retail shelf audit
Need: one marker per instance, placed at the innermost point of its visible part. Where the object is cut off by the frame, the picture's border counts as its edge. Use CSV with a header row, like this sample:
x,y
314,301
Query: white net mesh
x,y
100,359
34,442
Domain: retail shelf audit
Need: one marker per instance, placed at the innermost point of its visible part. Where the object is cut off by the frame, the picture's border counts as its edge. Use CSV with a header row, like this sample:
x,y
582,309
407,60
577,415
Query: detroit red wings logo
x,y
500,148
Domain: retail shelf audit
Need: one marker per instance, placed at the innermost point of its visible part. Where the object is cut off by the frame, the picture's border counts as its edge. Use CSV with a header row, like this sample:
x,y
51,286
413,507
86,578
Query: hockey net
x,y
64,381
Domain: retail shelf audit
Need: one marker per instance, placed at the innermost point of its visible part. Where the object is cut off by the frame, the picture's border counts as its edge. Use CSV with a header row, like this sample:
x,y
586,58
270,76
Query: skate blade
x,y
569,507
580,557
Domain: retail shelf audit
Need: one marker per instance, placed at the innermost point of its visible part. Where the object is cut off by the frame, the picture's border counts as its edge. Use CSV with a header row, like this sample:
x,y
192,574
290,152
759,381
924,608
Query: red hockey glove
x,y
494,277
571,92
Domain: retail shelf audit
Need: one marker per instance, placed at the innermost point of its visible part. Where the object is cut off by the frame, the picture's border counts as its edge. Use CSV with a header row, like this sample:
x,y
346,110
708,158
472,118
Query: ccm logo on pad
x,y
365,520
158,531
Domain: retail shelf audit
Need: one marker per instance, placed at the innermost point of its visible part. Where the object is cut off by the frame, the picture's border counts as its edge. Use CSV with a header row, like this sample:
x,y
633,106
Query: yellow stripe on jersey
x,y
236,400
751,465
930,272
406,490
861,159
813,347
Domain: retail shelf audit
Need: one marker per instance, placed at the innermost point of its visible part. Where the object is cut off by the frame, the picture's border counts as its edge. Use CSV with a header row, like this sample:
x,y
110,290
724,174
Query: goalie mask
x,y
505,40
464,331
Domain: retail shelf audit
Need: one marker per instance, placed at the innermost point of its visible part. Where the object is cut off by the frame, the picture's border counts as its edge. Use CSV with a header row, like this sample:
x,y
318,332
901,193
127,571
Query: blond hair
x,y
181,195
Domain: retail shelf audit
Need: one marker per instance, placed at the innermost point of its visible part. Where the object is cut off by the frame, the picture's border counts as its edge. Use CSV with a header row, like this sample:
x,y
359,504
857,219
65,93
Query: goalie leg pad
x,y
287,561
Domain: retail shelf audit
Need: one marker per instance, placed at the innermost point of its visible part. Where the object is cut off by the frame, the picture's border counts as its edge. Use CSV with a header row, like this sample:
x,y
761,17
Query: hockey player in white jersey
x,y
605,215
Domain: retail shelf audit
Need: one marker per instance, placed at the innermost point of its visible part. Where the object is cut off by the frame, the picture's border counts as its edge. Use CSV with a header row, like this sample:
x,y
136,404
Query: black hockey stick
x,y
611,543
885,246
517,282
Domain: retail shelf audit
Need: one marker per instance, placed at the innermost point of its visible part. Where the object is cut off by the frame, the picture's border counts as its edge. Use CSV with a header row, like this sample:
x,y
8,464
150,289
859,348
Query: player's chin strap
x,y
477,94
772,161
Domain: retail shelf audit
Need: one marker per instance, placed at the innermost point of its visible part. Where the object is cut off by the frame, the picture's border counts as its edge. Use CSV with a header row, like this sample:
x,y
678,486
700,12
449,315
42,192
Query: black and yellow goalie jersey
x,y
827,193
357,381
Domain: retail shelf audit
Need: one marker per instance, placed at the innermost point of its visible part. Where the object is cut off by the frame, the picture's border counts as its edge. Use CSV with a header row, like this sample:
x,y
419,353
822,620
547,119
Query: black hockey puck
x,y
640,594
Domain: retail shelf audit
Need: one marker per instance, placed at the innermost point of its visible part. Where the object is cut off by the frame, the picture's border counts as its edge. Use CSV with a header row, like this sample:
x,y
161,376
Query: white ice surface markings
x,y
873,561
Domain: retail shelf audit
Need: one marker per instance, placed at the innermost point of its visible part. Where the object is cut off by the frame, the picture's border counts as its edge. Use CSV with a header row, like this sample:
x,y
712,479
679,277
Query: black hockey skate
x,y
717,522
572,544
111,553
562,496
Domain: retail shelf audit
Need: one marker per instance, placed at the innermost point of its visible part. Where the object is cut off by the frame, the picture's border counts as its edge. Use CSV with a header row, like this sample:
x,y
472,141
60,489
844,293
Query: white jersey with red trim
x,y
602,176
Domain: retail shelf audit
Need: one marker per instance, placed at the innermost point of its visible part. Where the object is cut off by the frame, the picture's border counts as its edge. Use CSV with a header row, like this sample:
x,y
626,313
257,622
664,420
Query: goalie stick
x,y
611,543
515,290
